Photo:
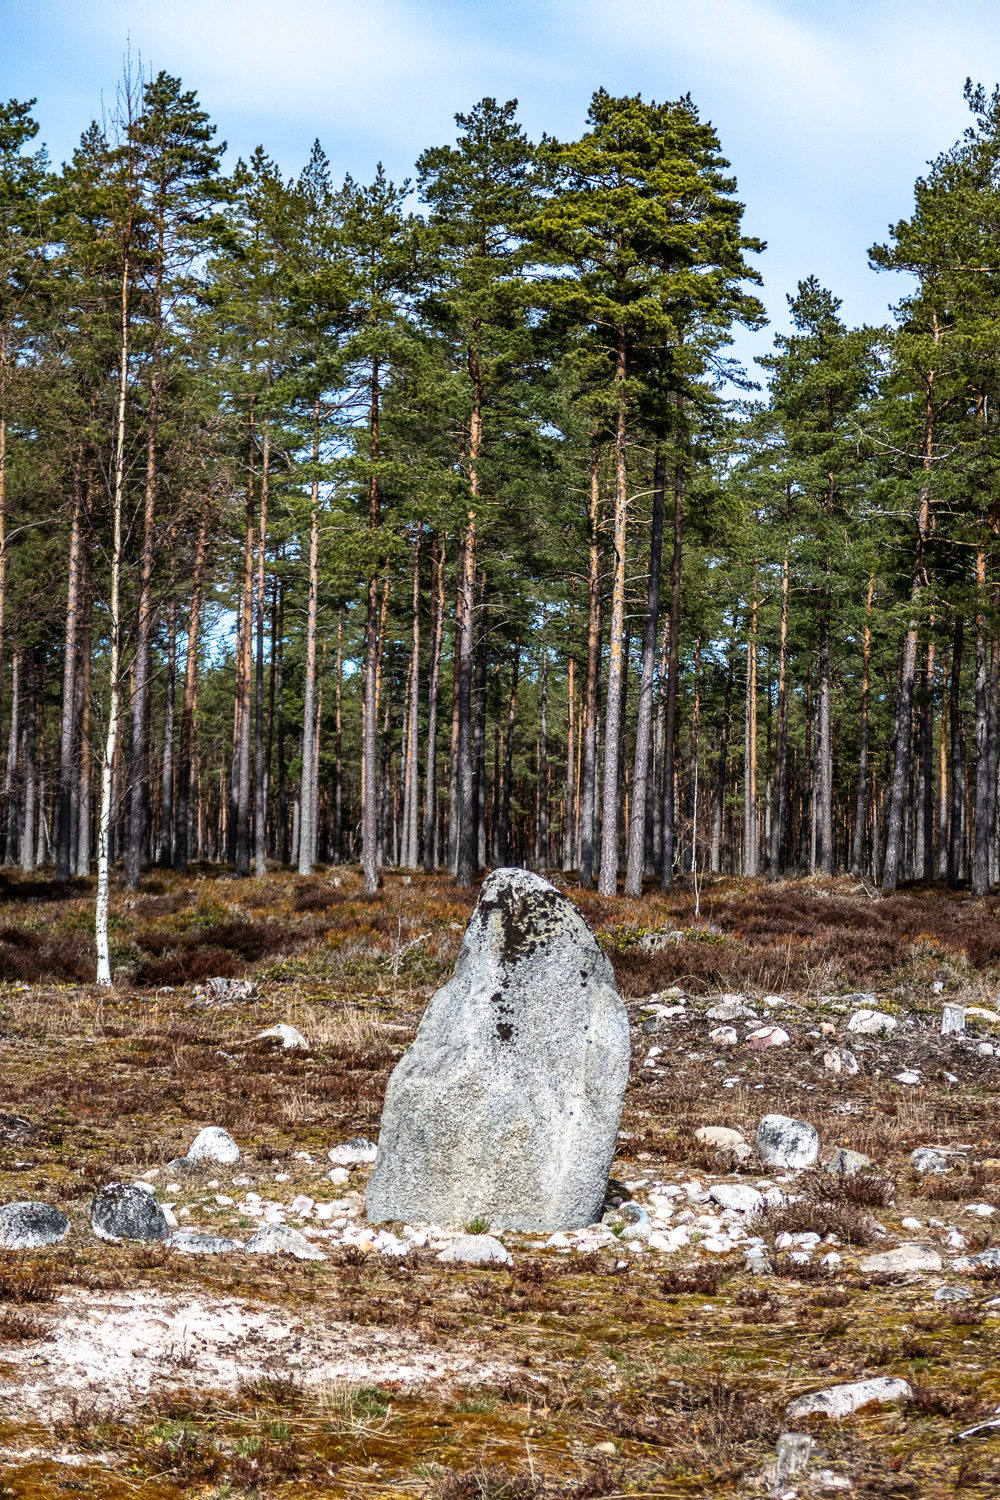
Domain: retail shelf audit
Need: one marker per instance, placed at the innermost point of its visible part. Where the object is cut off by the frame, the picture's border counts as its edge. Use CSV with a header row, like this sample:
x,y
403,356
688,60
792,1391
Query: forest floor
x,y
135,1370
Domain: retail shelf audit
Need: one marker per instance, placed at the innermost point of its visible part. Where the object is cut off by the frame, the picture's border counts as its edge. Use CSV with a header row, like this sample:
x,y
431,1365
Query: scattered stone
x,y
28,1226
629,1221
189,1242
278,1239
214,1144
827,1483
476,1250
287,1035
719,1136
121,1211
953,1020
655,942
228,989
507,1105
359,1151
985,1049
904,1258
926,1160
841,1060
989,1258
838,1401
724,1036
908,1075
774,1000
737,1195
783,1142
910,1224
16,1128
731,1008
794,1452
952,1294
844,1163
871,1022
767,1036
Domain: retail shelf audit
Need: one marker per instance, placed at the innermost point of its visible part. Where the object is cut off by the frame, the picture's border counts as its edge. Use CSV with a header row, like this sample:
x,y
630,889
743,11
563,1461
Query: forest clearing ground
x,y
133,1368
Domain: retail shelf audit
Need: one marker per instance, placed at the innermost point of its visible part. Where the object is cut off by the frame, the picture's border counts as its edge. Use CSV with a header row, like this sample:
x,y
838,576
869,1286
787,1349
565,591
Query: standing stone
x,y
506,1107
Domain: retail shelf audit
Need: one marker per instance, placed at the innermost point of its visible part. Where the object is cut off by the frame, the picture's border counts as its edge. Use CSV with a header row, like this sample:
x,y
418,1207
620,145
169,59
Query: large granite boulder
x,y
506,1107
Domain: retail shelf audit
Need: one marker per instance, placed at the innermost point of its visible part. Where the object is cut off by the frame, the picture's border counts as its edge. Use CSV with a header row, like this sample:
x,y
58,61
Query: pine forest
x,y
434,524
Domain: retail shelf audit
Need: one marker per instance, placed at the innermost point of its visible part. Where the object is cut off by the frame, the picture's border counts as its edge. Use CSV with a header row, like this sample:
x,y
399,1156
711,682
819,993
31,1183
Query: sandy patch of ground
x,y
117,1348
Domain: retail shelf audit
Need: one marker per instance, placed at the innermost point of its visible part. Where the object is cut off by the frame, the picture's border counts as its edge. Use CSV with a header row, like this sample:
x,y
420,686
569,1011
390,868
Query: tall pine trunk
x,y
308,799
723,771
12,770
985,787
569,816
411,836
338,782
241,740
824,756
542,848
114,628
433,688
669,820
588,797
907,676
780,795
67,727
503,825
861,805
607,883
643,732
369,751
83,796
165,852
751,842
182,811
956,839
259,770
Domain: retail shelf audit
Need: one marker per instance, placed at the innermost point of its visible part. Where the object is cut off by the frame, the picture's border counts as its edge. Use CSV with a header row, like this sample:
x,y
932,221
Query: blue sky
x,y
828,111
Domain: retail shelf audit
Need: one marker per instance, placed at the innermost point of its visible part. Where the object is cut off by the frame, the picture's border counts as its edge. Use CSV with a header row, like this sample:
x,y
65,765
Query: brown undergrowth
x,y
683,1366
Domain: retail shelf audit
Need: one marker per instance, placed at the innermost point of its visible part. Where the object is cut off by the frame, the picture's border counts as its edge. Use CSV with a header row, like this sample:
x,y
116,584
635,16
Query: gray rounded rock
x,y
926,1160
122,1211
476,1250
952,1294
845,1163
190,1242
838,1401
29,1226
507,1105
281,1239
783,1142
737,1195
214,1144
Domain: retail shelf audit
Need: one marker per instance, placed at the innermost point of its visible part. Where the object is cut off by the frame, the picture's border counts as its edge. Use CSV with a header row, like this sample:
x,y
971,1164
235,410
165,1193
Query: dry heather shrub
x,y
187,1456
860,1190
25,1280
187,968
19,1327
851,1224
